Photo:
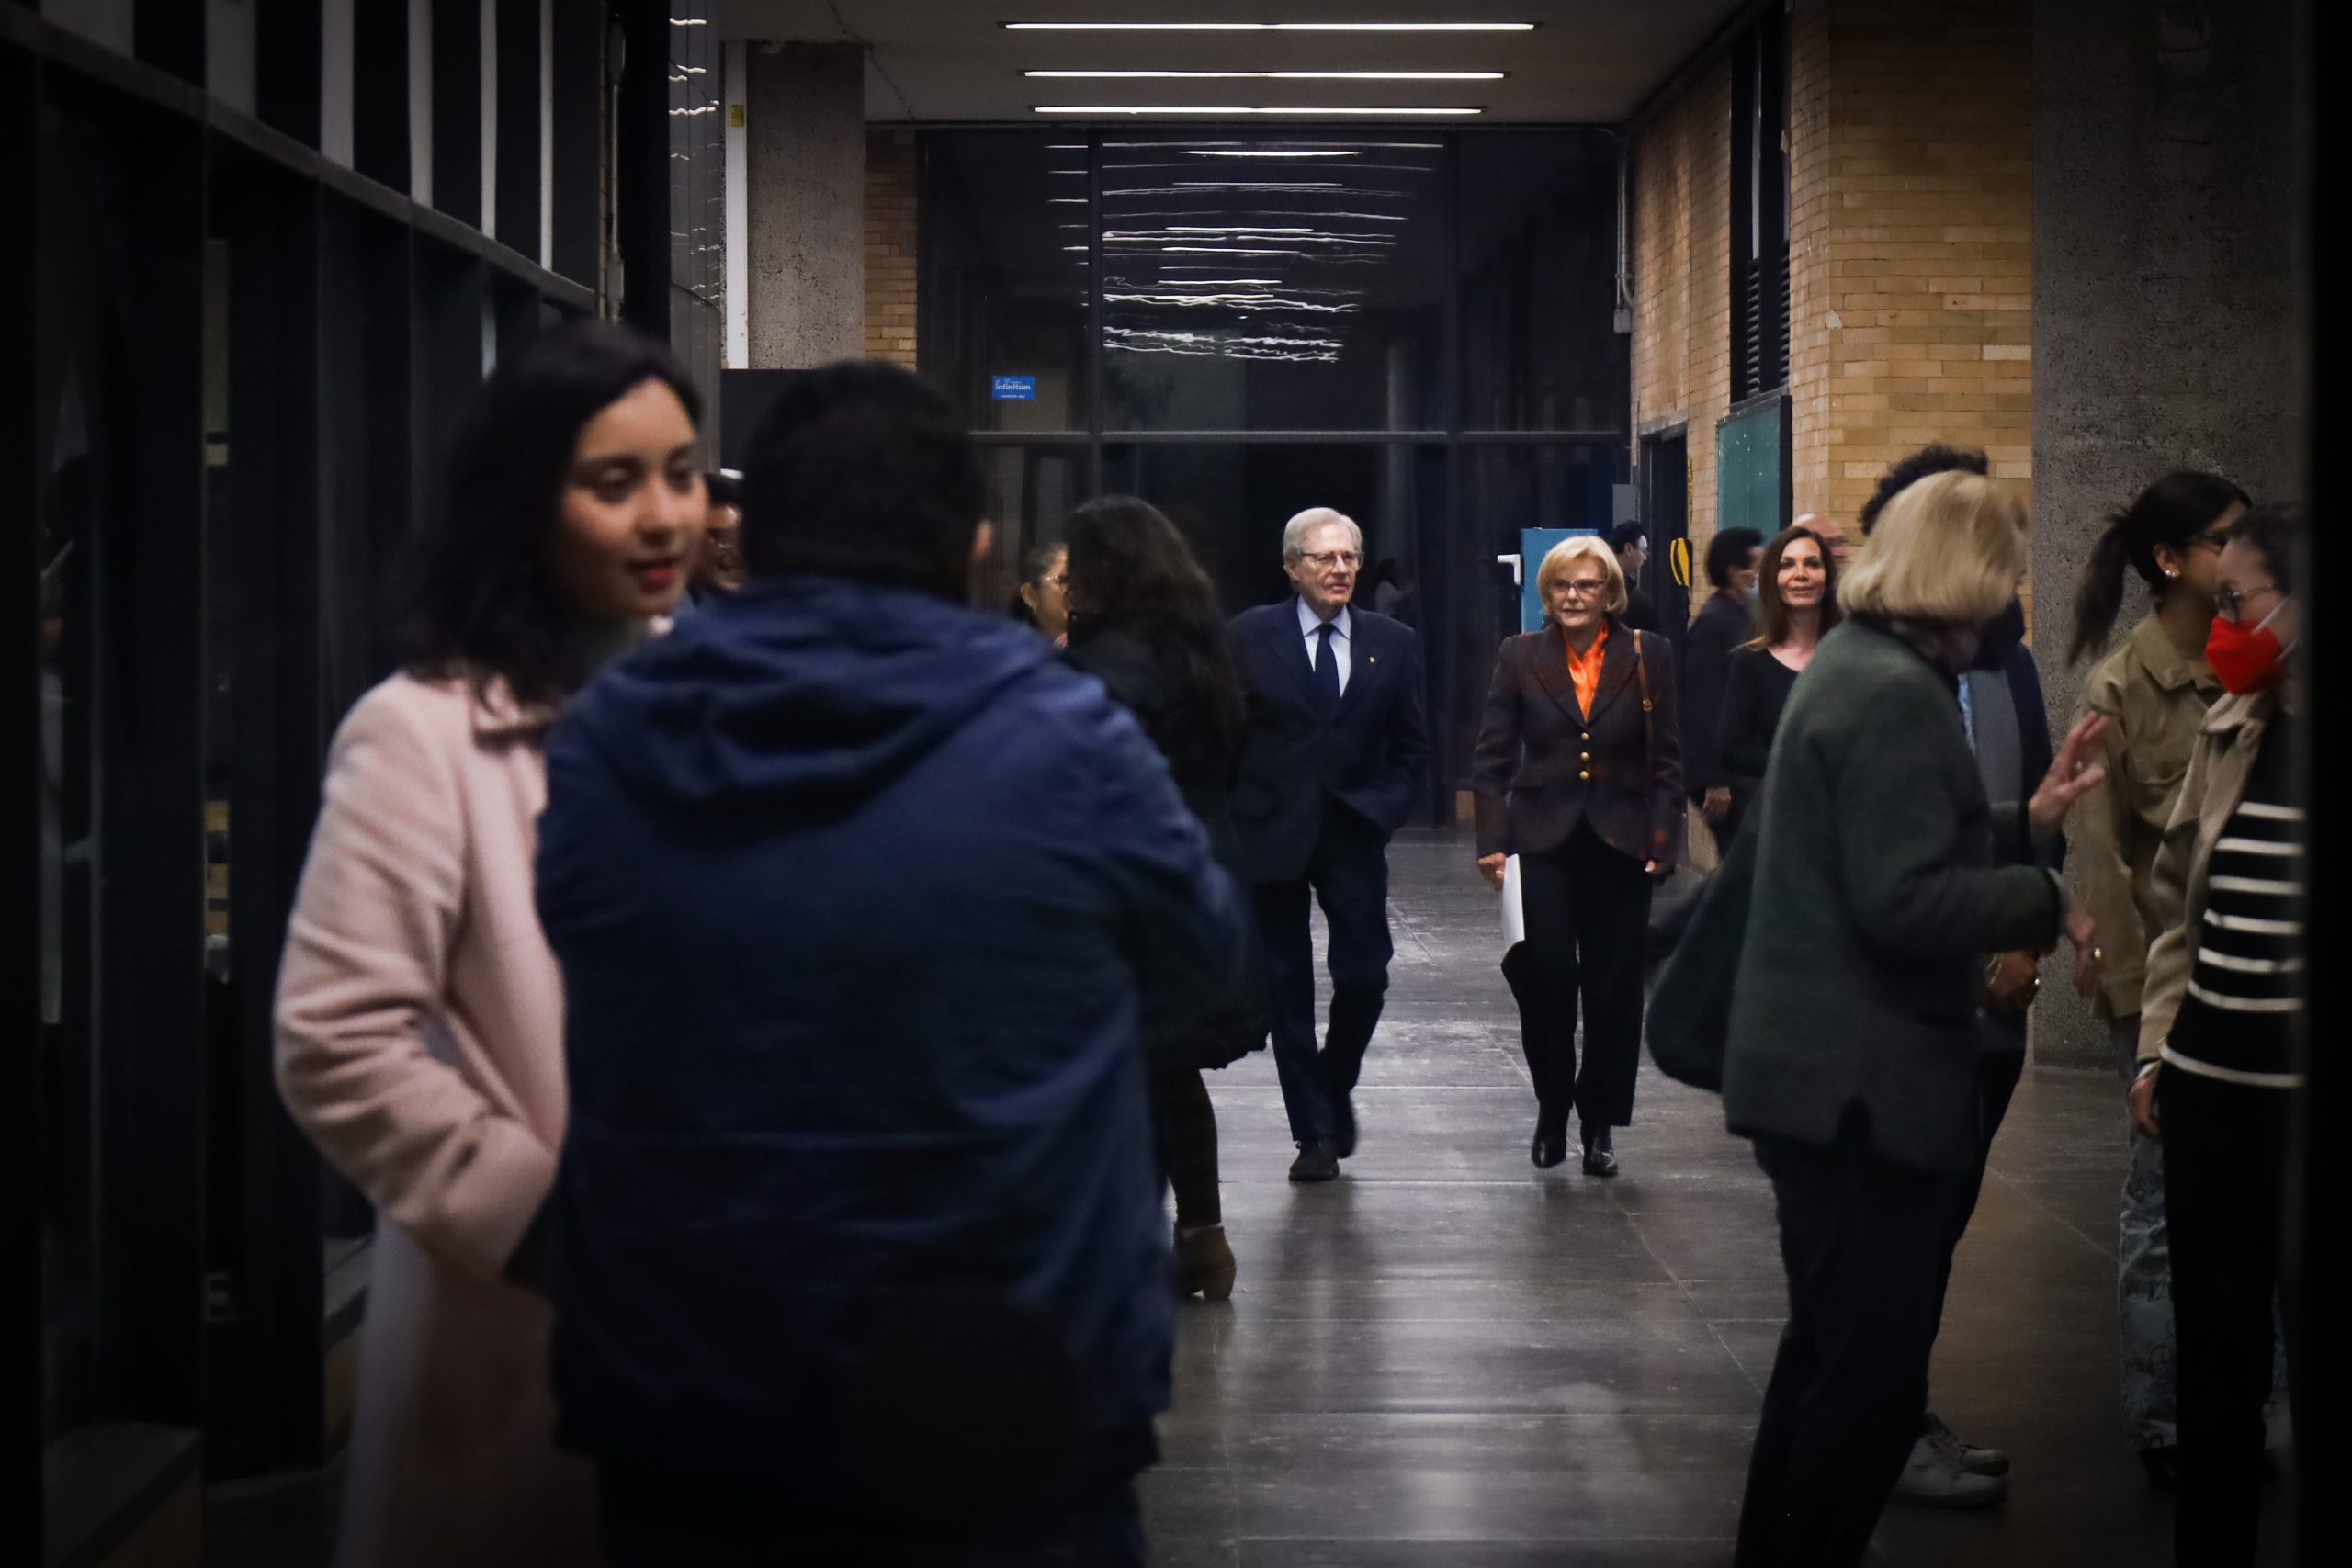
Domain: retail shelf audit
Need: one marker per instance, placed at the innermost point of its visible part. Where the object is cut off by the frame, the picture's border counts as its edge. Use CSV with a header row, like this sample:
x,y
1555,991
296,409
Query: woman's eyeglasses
x,y
2231,604
1581,587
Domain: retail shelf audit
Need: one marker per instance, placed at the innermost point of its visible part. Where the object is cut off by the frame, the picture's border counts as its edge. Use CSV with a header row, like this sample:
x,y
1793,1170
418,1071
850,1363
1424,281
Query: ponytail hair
x,y
2171,512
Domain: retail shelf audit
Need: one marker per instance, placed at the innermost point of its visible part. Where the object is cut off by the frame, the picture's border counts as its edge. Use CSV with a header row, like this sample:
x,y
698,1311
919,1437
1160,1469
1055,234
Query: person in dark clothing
x,y
864,900
1852,1057
2219,1070
1144,621
719,566
1577,772
1334,759
2008,725
1728,619
1632,548
1042,598
1797,602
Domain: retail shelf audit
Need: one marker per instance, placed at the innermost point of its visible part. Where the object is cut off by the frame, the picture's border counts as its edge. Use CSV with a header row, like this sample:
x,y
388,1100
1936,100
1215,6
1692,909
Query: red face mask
x,y
2246,659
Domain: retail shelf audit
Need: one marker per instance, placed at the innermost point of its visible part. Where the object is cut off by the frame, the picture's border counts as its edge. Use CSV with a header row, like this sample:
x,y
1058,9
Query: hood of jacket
x,y
805,696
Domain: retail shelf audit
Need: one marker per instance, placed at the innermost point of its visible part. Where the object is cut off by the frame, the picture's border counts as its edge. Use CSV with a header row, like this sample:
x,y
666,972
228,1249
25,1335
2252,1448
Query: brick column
x,y
890,237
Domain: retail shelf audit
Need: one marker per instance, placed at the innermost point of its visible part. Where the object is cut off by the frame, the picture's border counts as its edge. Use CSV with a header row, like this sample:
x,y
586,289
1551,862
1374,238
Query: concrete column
x,y
2167,327
805,162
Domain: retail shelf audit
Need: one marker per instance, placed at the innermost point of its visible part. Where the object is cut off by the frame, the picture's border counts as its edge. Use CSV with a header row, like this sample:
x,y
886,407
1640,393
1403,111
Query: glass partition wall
x,y
1414,328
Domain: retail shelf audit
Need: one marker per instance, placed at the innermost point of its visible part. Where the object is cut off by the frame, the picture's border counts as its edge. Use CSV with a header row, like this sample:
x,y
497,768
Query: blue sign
x,y
1535,544
1014,388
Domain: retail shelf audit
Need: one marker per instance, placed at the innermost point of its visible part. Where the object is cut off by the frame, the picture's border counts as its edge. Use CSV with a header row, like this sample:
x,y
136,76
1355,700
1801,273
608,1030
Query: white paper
x,y
1514,912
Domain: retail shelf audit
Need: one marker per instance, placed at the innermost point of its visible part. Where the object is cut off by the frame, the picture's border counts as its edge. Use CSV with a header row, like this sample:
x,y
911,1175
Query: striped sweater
x,y
2246,988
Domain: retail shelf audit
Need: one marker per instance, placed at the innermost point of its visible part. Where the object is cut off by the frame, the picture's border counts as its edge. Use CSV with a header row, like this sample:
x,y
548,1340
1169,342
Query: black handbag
x,y
1689,1012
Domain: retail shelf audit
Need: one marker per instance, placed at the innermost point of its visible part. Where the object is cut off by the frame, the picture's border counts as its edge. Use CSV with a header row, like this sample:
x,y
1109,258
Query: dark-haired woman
x,y
420,1012
2153,689
1797,601
2218,1071
1726,620
1042,598
1145,622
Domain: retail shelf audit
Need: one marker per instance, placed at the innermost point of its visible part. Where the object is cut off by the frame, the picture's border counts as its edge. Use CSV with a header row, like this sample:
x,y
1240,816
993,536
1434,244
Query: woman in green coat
x,y
1851,1059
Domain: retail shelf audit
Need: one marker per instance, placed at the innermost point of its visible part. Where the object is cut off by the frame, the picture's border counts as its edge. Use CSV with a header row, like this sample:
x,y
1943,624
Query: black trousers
x,y
1588,910
1184,1126
1998,1068
2225,1195
749,1528
1865,1245
1348,875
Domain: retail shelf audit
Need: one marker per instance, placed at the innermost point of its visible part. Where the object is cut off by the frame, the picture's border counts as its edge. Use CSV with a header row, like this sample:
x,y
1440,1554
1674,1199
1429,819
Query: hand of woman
x,y
1491,868
2010,983
2084,936
1714,803
2142,1098
2070,774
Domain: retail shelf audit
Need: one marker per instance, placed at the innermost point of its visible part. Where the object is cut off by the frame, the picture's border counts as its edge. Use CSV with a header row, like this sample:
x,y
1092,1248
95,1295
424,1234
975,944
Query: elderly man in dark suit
x,y
1335,758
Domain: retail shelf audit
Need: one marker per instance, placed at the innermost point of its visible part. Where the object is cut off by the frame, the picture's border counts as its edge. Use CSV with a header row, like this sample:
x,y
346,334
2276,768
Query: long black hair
x,y
1130,568
472,598
2171,511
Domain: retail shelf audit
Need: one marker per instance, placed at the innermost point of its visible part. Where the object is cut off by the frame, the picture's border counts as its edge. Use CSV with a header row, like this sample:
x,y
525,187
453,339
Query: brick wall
x,y
890,246
1680,172
1911,248
1911,243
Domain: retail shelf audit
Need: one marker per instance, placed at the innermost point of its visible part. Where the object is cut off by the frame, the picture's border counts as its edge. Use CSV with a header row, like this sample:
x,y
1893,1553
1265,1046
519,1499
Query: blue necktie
x,y
1327,665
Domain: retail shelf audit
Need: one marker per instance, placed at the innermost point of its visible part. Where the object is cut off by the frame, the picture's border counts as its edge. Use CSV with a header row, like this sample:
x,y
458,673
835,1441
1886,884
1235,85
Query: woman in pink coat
x,y
420,1014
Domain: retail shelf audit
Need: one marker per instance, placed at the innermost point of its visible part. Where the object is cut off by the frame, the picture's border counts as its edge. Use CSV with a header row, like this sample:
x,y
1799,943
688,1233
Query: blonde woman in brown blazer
x,y
1577,770
420,1013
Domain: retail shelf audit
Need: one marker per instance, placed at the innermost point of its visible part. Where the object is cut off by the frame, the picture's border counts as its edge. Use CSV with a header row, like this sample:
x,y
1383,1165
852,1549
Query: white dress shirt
x,y
1341,625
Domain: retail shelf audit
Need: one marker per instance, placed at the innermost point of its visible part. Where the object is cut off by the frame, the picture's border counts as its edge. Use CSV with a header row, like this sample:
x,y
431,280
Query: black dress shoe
x,y
1599,1159
2163,1465
1548,1149
1317,1161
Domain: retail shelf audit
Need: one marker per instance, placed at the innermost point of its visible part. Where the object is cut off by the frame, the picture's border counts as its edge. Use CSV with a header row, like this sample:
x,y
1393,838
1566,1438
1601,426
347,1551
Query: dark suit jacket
x,y
1541,766
1371,753
1723,625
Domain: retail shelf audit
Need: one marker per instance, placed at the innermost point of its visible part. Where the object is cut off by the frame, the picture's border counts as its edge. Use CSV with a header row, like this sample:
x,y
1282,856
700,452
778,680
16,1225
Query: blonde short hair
x,y
1949,549
1577,548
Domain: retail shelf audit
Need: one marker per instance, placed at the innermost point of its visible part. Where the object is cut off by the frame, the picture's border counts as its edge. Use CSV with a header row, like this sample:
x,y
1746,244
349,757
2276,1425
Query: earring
x,y
2172,571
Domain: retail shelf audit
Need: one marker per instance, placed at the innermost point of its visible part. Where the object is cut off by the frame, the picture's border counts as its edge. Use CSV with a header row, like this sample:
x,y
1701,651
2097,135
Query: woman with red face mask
x,y
2218,1070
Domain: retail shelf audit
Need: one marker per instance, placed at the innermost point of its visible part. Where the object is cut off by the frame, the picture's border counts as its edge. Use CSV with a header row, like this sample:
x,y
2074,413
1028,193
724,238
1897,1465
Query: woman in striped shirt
x,y
2219,1059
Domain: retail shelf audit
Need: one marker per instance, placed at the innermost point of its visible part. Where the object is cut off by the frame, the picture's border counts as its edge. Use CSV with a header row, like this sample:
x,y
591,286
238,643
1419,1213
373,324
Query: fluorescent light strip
x,y
1197,111
1269,75
1268,27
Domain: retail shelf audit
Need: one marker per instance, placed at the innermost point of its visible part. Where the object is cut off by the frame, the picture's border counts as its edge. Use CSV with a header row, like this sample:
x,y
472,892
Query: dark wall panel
x,y
518,125
457,108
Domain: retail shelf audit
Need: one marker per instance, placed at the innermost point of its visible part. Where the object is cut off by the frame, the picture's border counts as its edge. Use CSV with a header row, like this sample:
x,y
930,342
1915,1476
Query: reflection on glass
x,y
1031,490
1289,284
1540,348
1003,286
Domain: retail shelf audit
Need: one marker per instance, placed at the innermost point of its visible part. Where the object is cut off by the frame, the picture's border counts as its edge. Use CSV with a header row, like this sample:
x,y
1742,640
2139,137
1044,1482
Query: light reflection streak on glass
x,y
1232,302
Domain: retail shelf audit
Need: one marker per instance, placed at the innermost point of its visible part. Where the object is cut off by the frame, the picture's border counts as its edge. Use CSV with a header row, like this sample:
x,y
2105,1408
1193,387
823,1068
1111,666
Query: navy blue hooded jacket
x,y
861,899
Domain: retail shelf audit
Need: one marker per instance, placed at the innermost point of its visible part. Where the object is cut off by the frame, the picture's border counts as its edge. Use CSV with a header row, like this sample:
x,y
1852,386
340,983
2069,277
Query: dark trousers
x,y
1864,1243
1184,1126
2225,1193
1588,910
1348,875
735,1525
1998,1068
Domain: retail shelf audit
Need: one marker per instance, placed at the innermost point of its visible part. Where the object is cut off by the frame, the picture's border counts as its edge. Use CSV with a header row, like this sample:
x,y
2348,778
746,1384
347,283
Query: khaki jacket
x,y
2218,769
2154,701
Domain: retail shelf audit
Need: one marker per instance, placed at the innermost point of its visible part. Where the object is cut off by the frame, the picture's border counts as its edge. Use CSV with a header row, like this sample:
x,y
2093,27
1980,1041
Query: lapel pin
x,y
1374,659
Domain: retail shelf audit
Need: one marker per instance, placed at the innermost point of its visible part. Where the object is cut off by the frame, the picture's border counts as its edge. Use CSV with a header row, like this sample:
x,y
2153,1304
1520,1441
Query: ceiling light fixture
x,y
1272,76
1199,111
1268,27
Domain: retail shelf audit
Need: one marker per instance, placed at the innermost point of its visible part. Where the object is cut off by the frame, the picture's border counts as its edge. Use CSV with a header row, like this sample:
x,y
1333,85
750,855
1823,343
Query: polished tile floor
x,y
1447,1359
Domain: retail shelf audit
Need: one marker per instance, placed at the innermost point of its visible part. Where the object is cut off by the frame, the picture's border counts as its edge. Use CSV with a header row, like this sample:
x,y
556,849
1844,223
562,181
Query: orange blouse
x,y
1584,668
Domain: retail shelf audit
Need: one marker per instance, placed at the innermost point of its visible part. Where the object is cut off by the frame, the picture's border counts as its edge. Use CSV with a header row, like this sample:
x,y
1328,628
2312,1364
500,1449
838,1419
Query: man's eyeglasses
x,y
1323,560
2231,604
1582,587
